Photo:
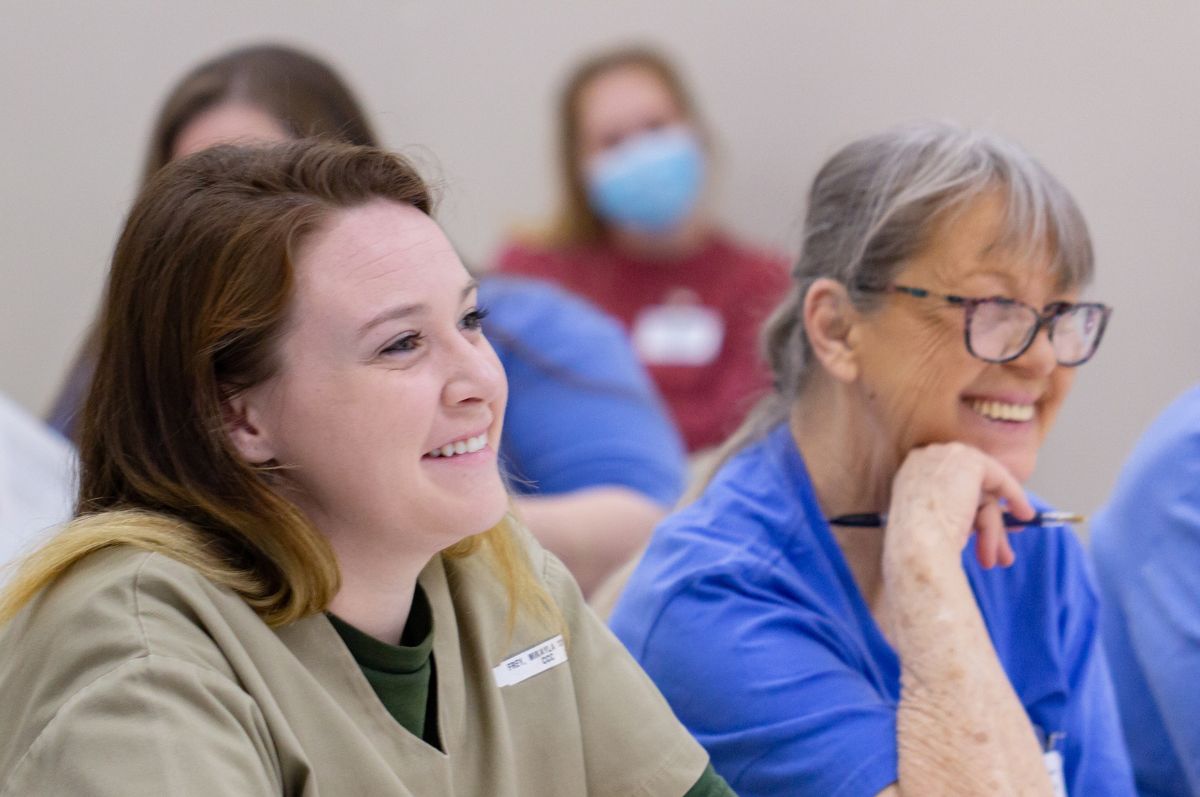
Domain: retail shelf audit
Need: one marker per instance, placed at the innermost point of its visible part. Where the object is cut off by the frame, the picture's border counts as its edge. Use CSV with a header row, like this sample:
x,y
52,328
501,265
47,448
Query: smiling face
x,y
917,379
387,405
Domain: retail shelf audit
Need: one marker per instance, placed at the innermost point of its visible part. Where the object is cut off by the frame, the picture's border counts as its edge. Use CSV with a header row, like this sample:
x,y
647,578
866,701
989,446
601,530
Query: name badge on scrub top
x,y
1054,768
678,333
528,663
1052,758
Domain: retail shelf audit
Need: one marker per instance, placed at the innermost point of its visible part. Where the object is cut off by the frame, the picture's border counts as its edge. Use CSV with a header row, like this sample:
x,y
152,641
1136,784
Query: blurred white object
x,y
37,482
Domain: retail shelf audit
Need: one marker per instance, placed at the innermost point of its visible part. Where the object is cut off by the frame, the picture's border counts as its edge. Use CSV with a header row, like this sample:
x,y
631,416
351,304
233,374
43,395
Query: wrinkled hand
x,y
942,494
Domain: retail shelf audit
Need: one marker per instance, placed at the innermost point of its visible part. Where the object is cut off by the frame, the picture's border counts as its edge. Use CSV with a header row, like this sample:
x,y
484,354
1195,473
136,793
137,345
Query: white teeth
x,y
1000,411
468,446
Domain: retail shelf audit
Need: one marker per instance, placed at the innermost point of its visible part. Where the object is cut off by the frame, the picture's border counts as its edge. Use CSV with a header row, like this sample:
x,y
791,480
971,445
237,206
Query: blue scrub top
x,y
745,614
582,411
1146,547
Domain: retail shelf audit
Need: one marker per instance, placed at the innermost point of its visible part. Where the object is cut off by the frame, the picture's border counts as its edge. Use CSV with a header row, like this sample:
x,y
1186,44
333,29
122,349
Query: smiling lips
x,y
1002,411
466,446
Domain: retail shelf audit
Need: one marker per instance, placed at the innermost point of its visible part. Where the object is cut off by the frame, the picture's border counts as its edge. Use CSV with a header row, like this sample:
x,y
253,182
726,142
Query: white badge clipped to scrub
x,y
1052,759
680,332
1054,768
528,663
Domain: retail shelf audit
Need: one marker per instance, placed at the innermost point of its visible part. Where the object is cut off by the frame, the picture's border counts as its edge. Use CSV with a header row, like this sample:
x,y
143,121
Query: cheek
x,y
943,366
336,418
918,369
1060,385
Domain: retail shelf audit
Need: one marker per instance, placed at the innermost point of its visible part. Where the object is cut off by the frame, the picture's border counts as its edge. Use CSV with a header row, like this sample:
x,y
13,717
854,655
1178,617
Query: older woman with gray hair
x,y
815,617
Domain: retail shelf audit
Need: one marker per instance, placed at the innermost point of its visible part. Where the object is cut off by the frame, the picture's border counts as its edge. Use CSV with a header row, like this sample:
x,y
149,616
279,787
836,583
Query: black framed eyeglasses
x,y
999,329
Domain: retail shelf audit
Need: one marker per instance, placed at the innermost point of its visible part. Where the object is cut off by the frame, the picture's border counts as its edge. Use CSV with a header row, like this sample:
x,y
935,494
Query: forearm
x,y
593,531
961,729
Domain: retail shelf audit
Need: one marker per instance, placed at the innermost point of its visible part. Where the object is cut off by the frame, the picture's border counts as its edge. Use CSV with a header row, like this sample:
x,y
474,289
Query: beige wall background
x,y
1104,93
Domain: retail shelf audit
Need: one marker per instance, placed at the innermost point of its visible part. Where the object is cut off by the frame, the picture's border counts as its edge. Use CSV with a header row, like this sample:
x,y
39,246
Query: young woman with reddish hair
x,y
293,569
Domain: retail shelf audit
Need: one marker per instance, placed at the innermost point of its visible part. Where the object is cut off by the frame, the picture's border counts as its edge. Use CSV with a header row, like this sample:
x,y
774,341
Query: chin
x,y
1021,466
498,508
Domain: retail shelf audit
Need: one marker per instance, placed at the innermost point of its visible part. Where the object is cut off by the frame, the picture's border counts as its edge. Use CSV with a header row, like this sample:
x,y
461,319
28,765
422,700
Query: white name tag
x,y
678,334
1054,768
528,663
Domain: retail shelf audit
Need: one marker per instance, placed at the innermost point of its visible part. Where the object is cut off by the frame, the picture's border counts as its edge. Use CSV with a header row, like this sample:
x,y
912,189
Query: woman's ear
x,y
243,421
829,323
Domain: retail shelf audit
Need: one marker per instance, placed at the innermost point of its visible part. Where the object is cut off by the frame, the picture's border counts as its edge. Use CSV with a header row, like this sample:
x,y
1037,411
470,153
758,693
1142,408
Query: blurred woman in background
x,y
635,236
591,498
1145,545
813,616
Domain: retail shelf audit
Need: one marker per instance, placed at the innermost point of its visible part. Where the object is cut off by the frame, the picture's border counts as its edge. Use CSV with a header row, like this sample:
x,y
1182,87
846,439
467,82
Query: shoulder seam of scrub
x,y
144,659
159,559
137,602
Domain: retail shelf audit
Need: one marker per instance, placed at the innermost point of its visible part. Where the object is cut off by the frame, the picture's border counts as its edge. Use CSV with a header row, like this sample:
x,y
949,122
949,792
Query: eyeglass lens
x,y
1001,330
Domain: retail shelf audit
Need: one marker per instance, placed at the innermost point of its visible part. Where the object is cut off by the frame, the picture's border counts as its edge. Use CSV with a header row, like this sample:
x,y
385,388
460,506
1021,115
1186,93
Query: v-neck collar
x,y
320,649
794,473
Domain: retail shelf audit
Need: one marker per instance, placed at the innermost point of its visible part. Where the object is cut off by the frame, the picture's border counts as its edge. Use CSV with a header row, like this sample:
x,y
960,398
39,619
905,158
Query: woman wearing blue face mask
x,y
633,236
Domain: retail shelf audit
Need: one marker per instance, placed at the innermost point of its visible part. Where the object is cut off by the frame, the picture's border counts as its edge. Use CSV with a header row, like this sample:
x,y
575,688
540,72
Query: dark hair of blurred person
x,y
287,93
258,93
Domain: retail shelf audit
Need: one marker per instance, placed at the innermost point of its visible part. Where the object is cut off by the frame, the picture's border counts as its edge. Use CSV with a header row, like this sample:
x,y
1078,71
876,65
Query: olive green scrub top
x,y
133,674
401,676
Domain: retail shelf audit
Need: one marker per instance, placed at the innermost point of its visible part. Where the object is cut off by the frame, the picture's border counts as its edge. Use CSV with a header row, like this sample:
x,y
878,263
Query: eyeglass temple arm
x,y
919,293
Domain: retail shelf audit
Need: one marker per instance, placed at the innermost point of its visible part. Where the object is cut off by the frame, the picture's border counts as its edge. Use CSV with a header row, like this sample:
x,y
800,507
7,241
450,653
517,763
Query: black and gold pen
x,y
874,520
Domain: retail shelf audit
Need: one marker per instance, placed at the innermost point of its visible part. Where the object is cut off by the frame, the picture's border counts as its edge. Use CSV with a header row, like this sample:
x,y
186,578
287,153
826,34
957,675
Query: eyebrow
x,y
405,310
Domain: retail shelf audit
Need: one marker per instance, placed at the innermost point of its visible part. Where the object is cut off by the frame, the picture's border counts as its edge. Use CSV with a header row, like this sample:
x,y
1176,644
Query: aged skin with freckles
x,y
917,377
912,379
956,701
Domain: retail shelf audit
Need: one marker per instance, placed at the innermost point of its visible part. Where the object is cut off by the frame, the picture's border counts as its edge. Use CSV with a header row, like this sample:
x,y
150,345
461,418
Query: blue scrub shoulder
x,y
582,412
1145,544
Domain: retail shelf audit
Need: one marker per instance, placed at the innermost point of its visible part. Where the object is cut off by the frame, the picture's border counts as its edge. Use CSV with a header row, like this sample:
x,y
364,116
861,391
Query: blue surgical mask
x,y
649,183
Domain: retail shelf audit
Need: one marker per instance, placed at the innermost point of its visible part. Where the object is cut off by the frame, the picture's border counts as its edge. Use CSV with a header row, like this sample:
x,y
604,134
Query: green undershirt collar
x,y
403,675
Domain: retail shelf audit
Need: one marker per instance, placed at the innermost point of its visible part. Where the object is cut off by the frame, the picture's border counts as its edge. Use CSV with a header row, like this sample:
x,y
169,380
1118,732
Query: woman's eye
x,y
473,319
410,342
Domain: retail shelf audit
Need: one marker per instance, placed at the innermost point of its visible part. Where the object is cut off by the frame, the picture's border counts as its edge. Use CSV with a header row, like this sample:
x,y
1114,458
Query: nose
x,y
474,374
1039,359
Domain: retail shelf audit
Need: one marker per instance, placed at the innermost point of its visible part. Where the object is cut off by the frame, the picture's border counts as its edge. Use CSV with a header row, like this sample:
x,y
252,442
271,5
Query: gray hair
x,y
872,207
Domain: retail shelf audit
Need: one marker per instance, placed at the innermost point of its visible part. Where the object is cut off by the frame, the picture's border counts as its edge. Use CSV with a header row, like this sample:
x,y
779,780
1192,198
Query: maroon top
x,y
694,321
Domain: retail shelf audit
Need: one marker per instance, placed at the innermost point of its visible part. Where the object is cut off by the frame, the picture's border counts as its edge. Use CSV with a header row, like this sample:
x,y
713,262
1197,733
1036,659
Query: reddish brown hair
x,y
196,302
